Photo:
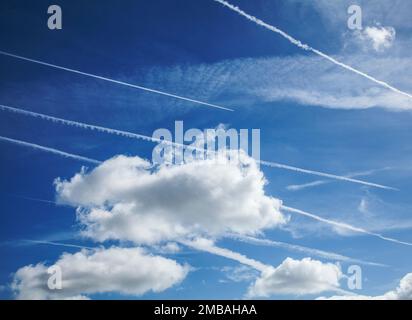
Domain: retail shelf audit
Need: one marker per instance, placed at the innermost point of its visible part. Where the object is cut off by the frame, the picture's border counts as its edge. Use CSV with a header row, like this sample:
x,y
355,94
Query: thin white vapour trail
x,y
297,248
50,150
80,124
114,81
306,47
298,187
151,139
326,175
343,225
31,199
58,244
208,246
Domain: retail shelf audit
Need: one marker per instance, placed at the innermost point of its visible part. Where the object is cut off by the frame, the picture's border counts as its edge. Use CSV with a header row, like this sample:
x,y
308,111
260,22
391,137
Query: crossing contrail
x,y
4,53
301,249
325,175
343,225
306,47
151,139
297,187
50,150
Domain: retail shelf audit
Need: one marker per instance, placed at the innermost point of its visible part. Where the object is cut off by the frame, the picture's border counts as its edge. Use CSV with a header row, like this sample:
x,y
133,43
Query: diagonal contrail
x,y
50,150
151,139
52,243
343,225
325,175
208,246
301,249
80,124
306,47
297,187
30,198
114,81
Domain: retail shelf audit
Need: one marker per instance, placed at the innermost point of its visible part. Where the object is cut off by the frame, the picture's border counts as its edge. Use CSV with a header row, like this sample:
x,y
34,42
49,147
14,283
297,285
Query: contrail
x,y
151,139
297,187
31,198
343,225
208,246
326,175
115,81
302,249
306,47
58,244
80,124
50,150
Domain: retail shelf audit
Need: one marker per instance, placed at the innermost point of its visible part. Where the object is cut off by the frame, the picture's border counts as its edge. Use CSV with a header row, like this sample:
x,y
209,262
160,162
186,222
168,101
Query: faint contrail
x,y
31,198
114,81
323,174
58,244
302,249
297,187
343,225
50,150
151,139
306,47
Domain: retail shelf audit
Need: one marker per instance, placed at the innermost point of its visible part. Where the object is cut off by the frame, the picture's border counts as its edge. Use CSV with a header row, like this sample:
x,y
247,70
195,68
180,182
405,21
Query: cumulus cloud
x,y
402,292
294,277
297,277
125,198
129,271
379,37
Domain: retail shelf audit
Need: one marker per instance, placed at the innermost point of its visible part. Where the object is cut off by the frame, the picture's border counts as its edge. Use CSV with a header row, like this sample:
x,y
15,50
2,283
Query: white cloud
x,y
168,248
305,79
294,277
323,55
334,13
129,271
363,206
239,274
379,37
126,199
402,292
297,277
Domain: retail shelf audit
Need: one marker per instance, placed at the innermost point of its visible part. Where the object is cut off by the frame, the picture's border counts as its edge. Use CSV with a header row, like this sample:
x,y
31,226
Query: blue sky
x,y
312,114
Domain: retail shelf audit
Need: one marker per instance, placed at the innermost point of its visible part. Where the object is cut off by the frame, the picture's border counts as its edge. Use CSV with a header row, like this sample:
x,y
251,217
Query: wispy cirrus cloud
x,y
306,47
134,86
307,80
